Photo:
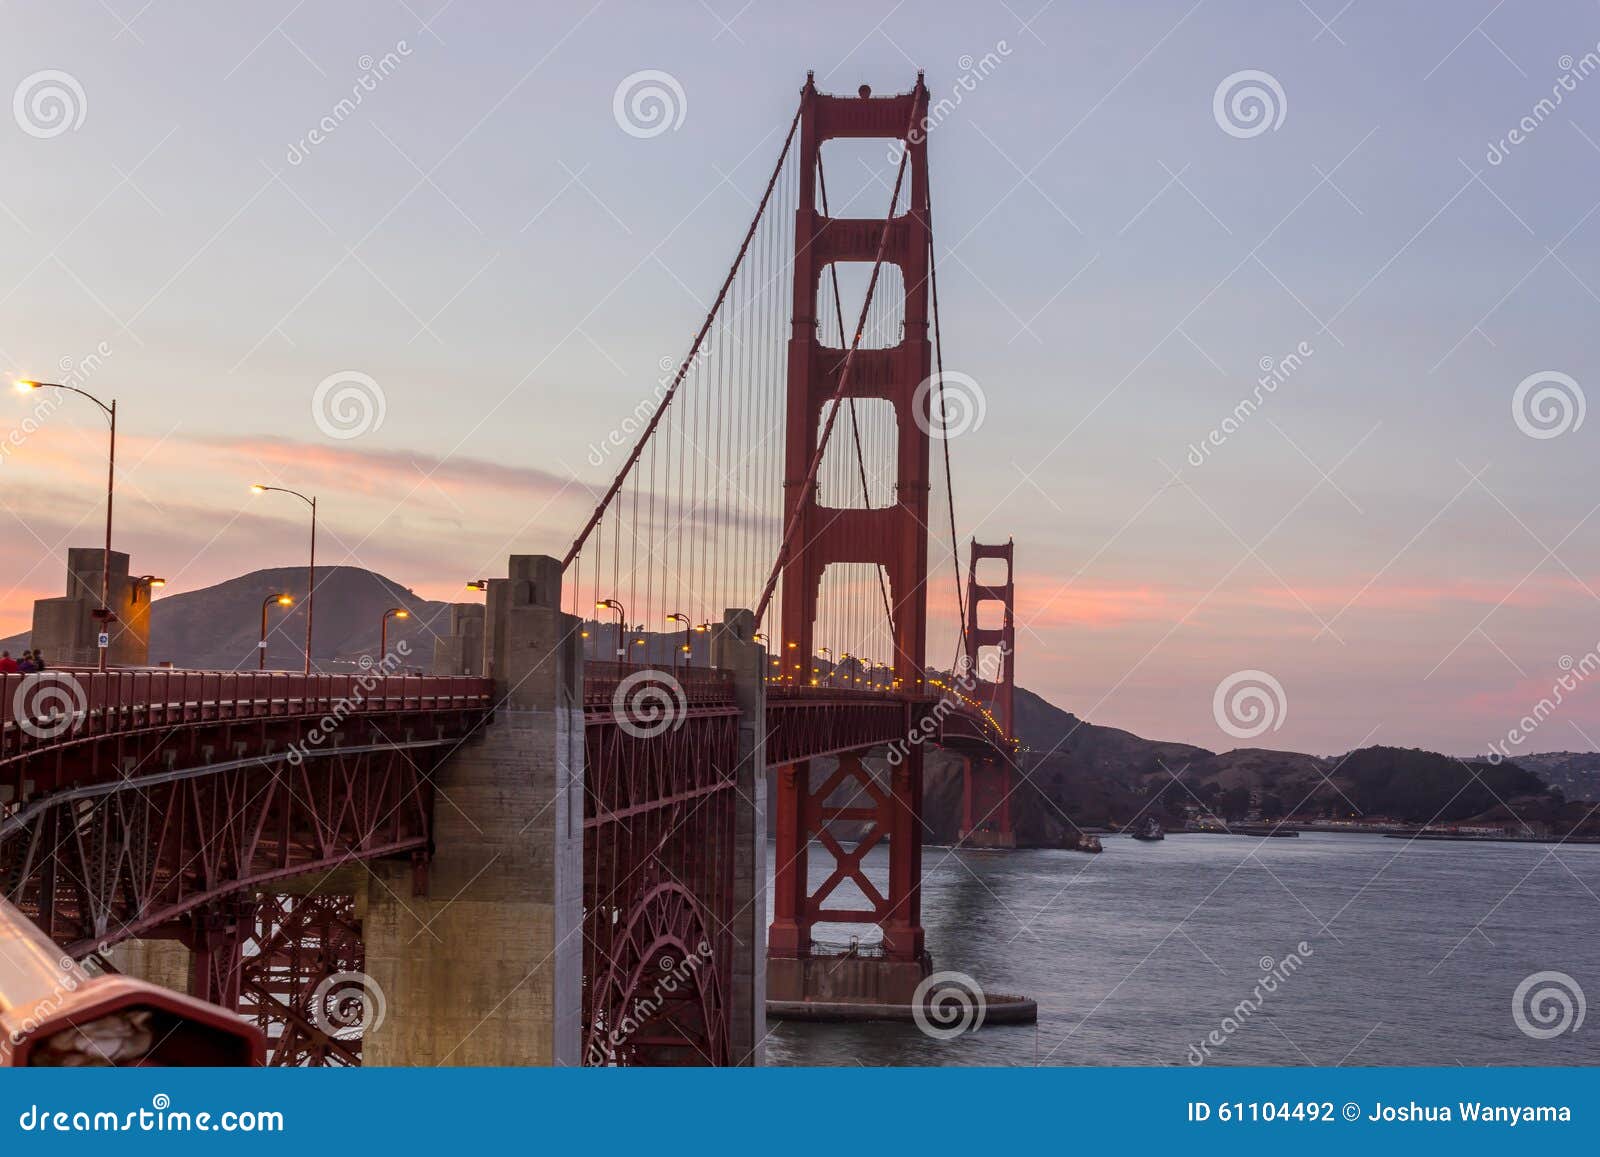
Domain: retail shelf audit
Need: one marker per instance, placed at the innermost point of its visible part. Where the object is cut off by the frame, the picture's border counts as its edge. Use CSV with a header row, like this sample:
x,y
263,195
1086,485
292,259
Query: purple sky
x,y
1380,534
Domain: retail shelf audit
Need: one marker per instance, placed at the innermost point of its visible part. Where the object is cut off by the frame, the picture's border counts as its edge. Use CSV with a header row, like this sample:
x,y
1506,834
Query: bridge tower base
x,y
986,805
481,961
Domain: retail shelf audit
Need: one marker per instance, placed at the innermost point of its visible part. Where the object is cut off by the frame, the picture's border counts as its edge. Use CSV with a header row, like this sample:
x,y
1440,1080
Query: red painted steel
x,y
986,782
894,537
302,980
660,802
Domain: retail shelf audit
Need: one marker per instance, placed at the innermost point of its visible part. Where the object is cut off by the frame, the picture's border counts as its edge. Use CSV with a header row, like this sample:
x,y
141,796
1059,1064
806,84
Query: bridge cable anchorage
x,y
855,423
809,486
688,361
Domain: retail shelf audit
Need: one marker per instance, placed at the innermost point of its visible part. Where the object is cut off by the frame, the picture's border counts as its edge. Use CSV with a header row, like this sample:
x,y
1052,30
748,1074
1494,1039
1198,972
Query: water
x,y
1137,954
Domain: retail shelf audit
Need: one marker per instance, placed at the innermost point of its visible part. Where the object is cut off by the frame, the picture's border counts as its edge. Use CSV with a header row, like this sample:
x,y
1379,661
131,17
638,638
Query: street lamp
x,y
687,648
479,585
148,582
261,647
383,630
828,651
622,622
311,568
104,615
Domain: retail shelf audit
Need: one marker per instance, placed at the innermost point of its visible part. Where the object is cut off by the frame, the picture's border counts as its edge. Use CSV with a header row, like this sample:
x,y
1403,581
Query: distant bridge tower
x,y
986,787
894,537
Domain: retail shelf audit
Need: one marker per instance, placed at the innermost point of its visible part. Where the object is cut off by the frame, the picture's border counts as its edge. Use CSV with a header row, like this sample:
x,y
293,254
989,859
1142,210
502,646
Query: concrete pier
x,y
486,968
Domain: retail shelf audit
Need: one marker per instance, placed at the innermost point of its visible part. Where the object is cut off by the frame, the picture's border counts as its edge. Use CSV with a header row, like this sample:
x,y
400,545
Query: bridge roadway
x,y
129,798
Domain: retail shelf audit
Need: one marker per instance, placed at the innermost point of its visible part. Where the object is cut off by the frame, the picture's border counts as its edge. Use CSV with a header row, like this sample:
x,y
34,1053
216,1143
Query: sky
x,y
1395,543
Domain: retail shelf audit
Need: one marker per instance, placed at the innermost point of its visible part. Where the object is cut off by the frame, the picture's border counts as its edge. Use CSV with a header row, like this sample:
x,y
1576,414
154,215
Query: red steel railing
x,y
68,704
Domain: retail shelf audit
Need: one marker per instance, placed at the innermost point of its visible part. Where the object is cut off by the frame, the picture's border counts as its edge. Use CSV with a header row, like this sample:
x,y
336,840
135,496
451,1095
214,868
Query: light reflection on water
x,y
1138,953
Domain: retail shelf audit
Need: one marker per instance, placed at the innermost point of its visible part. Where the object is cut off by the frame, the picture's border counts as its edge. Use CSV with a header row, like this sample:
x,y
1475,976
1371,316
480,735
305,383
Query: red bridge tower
x,y
986,787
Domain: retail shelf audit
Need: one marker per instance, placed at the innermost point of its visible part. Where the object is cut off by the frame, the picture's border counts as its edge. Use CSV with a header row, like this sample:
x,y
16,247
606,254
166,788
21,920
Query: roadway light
x,y
622,623
311,568
104,615
478,585
261,647
383,629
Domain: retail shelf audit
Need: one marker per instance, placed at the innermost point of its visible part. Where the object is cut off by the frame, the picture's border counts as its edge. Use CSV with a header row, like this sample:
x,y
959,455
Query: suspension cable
x,y
949,481
655,419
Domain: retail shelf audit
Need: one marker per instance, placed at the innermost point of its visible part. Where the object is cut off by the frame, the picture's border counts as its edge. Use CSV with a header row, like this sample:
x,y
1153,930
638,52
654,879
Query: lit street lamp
x,y
622,623
383,631
688,639
104,614
261,647
311,569
146,582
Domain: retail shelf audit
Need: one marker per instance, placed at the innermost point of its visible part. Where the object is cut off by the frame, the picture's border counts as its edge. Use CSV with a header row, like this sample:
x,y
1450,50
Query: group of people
x,y
30,662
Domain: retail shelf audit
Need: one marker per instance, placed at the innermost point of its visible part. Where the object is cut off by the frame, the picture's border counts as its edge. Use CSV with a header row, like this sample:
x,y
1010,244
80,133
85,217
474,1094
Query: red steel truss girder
x,y
295,945
92,869
658,849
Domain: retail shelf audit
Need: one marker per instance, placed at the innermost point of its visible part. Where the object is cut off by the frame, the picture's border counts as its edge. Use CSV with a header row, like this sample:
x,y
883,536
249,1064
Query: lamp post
x,y
261,647
622,624
146,582
311,568
111,477
383,630
828,651
688,638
